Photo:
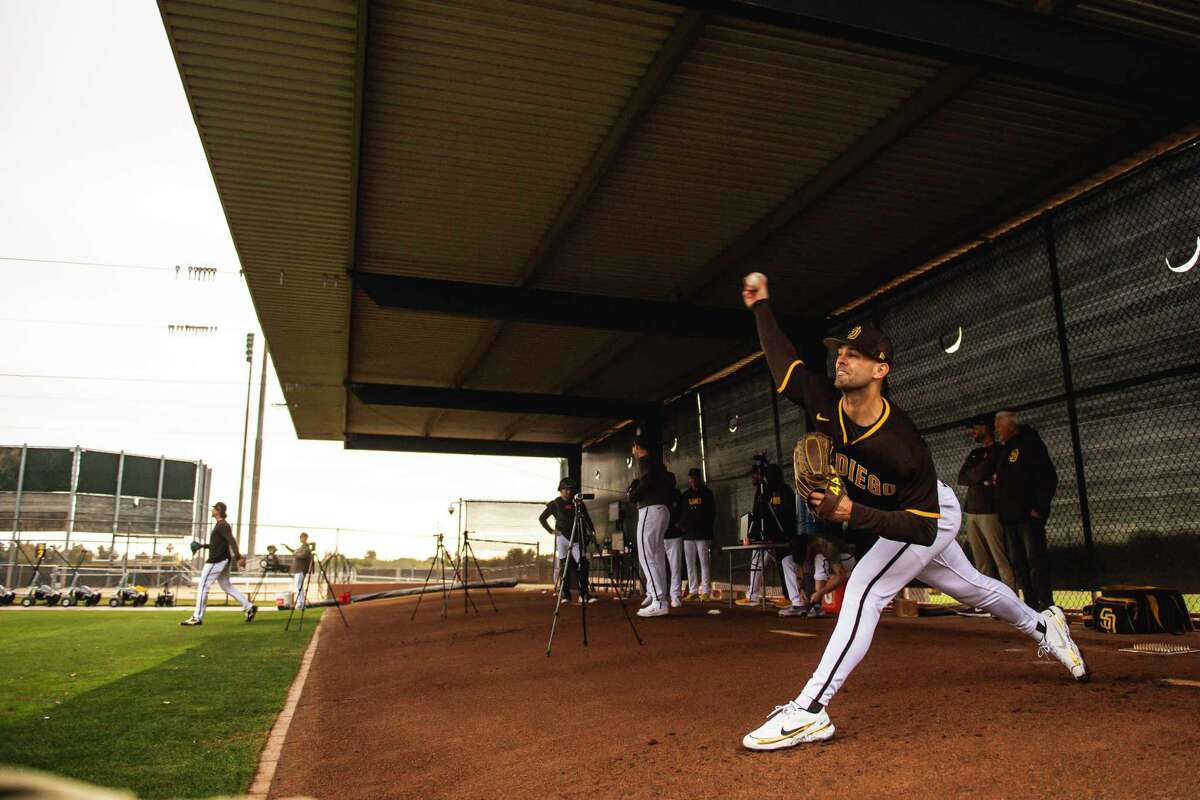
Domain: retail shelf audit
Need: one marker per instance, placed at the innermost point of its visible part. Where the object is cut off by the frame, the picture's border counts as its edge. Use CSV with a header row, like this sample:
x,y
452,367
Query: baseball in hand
x,y
754,288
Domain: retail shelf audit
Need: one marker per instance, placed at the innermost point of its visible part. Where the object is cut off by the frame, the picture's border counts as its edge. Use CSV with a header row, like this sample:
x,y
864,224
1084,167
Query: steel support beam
x,y
549,307
384,394
991,36
474,447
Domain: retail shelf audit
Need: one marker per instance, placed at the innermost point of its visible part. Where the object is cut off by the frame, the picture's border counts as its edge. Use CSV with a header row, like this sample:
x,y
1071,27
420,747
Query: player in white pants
x,y
302,558
673,545
760,562
885,486
652,493
699,514
698,553
222,548
567,556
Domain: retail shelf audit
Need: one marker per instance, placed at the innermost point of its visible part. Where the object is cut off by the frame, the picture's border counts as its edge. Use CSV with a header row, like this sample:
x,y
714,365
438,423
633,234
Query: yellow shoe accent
x,y
691,598
704,598
745,601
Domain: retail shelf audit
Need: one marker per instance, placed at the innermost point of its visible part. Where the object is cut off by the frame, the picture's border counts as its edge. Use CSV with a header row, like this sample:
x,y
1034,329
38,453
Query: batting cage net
x,y
507,540
1083,321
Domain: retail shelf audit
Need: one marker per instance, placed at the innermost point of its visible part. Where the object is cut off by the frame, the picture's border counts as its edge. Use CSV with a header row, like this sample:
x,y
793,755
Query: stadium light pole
x,y
258,445
245,431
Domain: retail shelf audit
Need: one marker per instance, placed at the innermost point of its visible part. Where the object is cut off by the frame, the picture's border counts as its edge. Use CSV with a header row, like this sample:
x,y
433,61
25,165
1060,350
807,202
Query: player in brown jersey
x,y
890,491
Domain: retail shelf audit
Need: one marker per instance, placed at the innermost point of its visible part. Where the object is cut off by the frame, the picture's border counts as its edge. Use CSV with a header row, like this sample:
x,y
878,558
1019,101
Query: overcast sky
x,y
100,163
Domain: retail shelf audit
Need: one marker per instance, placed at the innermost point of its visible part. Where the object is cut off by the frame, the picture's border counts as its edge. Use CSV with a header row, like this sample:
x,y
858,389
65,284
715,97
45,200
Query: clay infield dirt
x,y
941,707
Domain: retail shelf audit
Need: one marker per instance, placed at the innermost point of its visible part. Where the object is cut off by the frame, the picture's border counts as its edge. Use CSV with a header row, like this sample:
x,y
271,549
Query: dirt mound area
x,y
470,706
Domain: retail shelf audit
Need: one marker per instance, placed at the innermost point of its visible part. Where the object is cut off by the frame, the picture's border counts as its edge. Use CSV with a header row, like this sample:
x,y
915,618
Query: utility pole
x,y
262,397
245,432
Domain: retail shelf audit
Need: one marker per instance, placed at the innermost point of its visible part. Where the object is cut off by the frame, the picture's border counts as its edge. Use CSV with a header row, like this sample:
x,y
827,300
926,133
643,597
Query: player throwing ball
x,y
888,489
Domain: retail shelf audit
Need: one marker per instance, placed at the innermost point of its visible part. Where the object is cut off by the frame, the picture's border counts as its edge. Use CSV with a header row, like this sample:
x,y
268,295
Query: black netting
x,y
681,438
608,470
996,312
741,403
1127,313
1140,447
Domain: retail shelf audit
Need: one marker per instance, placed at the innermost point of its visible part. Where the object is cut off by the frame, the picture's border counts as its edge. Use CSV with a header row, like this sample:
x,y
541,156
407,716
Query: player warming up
x,y
222,548
887,489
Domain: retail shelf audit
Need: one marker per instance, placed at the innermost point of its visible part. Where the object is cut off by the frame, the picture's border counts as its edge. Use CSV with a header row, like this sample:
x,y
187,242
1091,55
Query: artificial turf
x,y
130,699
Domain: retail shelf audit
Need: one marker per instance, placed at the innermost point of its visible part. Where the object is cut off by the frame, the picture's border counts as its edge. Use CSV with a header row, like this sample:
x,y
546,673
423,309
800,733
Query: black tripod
x,y
269,564
303,593
468,555
580,529
441,560
761,500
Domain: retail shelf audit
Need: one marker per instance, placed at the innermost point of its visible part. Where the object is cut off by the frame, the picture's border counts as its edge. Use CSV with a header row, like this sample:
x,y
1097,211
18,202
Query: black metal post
x,y
1069,389
775,417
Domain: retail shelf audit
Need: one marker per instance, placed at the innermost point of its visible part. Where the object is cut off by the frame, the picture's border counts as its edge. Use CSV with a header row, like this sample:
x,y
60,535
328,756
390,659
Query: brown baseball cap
x,y
869,341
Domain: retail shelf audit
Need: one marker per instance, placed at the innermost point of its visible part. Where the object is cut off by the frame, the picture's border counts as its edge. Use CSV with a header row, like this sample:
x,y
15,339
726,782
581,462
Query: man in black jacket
x,y
1025,485
652,493
773,519
984,532
572,558
699,513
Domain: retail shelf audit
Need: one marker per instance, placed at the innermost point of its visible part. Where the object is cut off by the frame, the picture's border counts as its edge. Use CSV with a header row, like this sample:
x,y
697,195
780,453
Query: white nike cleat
x,y
1059,644
653,611
647,602
789,725
676,603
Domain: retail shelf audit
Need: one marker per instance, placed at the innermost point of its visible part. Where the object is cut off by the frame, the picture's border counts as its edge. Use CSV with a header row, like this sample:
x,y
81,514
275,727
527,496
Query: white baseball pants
x,y
699,570
674,548
301,589
886,569
792,574
652,554
760,562
216,573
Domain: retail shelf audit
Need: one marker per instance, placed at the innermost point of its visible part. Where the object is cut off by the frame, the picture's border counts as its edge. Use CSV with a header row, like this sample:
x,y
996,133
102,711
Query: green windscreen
x,y
98,472
48,470
140,478
10,468
179,480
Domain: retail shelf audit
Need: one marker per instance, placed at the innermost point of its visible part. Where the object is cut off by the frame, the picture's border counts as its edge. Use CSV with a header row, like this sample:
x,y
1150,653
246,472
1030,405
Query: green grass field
x,y
129,699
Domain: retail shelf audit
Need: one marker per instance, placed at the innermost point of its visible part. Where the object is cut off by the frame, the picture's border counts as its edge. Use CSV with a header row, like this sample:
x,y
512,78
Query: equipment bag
x,y
1140,609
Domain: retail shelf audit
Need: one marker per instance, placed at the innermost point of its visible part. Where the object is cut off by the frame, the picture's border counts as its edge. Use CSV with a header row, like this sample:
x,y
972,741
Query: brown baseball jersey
x,y
886,468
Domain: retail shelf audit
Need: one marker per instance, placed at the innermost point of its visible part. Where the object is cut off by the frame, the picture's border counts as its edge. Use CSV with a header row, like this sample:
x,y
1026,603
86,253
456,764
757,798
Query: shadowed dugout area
x,y
471,707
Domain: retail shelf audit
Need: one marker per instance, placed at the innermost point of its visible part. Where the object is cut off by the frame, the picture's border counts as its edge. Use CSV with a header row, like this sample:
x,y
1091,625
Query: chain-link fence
x,y
1084,321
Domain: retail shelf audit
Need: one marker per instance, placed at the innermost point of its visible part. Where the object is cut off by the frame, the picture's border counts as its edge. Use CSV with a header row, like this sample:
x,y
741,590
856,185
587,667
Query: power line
x,y
116,380
176,268
167,326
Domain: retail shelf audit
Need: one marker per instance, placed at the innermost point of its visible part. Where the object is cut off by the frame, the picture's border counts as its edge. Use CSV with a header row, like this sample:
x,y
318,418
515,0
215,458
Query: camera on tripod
x,y
271,562
581,496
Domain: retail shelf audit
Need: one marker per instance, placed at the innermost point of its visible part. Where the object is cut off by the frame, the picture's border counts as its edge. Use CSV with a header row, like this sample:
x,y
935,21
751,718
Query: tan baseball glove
x,y
812,460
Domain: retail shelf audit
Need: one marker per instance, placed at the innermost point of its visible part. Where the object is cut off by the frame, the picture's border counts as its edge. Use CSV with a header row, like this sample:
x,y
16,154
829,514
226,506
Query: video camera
x,y
759,463
581,496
